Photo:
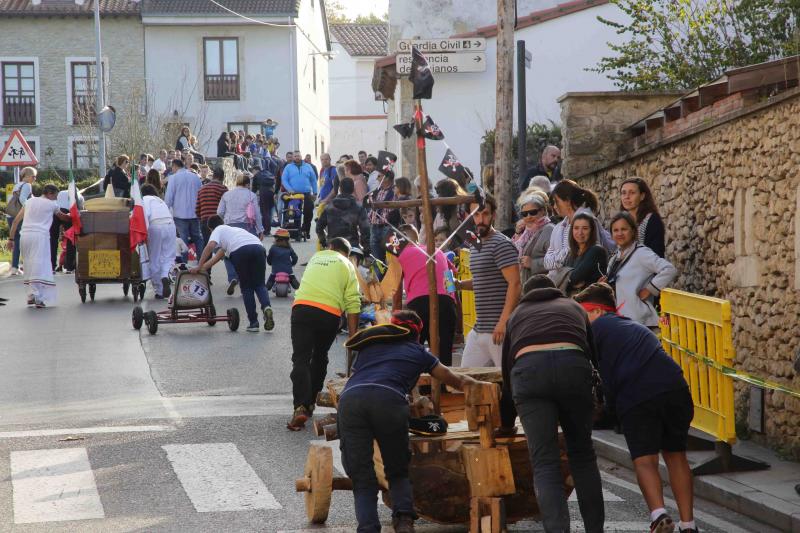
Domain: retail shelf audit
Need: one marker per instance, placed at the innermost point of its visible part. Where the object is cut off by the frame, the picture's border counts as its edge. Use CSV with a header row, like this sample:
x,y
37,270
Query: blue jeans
x,y
17,245
377,240
552,388
189,229
229,268
250,263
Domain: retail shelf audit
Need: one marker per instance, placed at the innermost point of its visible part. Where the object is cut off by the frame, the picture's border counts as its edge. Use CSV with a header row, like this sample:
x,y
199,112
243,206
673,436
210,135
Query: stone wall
x,y
730,196
594,123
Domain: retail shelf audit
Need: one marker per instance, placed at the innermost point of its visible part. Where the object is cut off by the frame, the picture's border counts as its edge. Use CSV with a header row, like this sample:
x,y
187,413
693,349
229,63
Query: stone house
x,y
47,71
723,162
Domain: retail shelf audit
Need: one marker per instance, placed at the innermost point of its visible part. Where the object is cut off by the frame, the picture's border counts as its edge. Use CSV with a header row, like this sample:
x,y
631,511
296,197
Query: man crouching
x,y
373,407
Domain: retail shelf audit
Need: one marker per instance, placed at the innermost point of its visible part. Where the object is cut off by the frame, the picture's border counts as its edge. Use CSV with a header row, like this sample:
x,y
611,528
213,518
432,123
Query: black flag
x,y
431,131
405,130
386,161
452,167
420,75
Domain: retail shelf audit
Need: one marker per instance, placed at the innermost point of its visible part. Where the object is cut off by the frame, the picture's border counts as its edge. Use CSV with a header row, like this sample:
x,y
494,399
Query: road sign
x,y
446,63
16,152
433,46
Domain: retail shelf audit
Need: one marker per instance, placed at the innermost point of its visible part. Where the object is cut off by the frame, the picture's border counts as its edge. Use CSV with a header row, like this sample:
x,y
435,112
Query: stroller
x,y
291,217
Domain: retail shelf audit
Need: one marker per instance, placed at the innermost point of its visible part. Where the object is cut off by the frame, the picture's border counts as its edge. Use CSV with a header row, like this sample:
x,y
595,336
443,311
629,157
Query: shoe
x,y
16,271
39,305
3,299
403,524
269,322
165,287
31,300
253,327
232,286
797,489
158,297
662,524
299,418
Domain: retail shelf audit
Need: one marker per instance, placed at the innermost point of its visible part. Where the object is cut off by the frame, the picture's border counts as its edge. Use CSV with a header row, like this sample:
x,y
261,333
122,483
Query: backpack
x,y
14,205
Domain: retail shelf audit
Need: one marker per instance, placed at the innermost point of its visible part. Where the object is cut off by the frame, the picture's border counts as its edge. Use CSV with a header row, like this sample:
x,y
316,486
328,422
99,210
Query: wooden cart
x,y
466,476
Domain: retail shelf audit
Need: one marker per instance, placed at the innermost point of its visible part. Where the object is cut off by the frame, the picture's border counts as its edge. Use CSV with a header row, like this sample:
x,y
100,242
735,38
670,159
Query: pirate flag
x,y
430,130
452,167
420,75
405,130
386,161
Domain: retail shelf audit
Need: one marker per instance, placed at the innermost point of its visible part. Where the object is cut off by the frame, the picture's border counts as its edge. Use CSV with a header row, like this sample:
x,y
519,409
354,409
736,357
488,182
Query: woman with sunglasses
x,y
534,238
638,201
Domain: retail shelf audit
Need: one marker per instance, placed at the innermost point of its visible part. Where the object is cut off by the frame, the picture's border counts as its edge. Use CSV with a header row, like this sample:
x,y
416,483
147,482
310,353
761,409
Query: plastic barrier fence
x,y
467,297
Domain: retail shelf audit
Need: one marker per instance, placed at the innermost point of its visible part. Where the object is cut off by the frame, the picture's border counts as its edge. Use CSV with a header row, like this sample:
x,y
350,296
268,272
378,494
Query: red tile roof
x,y
66,7
204,7
362,39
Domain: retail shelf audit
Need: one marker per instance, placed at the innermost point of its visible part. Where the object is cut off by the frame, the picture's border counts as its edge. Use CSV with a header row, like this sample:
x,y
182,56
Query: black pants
x,y
266,201
205,231
447,324
308,212
55,233
313,332
368,414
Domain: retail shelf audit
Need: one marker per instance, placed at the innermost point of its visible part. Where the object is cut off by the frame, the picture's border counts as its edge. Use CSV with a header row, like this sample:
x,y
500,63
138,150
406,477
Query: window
x,y
83,152
248,127
19,94
221,64
84,87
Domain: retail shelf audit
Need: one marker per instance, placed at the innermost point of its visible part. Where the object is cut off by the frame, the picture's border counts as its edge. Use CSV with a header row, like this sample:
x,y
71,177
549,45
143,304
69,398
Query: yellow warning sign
x,y
104,264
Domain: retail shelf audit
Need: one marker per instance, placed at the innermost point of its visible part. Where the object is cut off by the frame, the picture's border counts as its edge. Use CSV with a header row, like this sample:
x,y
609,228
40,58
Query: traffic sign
x,y
433,46
446,63
16,152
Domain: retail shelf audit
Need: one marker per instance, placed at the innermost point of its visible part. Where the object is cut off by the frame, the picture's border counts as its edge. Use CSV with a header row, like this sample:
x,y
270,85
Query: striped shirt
x,y
496,253
208,199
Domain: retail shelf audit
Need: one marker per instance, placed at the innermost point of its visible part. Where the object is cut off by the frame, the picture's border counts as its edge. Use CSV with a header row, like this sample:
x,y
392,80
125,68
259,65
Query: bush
x,y
4,229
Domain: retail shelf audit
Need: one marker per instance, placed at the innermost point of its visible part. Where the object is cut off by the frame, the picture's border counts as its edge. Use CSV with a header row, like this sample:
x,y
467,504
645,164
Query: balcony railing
x,y
222,87
19,110
83,109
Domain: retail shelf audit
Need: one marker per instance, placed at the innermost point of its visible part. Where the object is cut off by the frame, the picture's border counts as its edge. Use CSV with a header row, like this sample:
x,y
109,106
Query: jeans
x,y
313,332
189,229
447,324
250,263
552,388
17,245
368,414
229,268
377,241
267,204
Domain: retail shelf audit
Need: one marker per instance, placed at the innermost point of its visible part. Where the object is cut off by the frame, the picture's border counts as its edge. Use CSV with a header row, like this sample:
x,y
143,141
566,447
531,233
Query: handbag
x,y
561,277
250,213
14,205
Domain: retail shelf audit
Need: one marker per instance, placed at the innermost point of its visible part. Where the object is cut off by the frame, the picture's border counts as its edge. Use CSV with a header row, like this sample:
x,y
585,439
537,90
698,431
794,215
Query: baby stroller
x,y
292,215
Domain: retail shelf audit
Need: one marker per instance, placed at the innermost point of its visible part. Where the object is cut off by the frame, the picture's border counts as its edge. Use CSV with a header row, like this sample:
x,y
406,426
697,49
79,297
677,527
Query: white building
x,y
358,120
565,39
217,71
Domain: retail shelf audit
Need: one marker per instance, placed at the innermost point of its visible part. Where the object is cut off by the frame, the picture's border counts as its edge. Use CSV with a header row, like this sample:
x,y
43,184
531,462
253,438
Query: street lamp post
x,y
100,101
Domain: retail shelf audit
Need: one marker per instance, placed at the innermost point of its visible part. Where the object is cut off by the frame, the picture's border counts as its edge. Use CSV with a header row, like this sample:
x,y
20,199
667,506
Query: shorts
x,y
659,424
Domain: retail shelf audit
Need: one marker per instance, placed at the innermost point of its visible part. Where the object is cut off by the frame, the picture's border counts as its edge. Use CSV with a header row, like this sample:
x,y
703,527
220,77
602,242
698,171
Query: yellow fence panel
x,y
467,297
702,325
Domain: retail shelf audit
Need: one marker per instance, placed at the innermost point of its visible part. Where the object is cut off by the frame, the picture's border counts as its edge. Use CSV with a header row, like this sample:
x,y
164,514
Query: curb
x,y
729,493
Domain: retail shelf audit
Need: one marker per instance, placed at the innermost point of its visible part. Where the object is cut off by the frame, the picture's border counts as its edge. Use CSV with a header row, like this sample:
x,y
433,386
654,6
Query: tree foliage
x,y
336,15
680,44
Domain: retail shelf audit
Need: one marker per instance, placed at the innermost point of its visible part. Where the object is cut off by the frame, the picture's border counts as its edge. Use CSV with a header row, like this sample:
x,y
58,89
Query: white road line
x,y
608,496
577,525
337,454
217,477
80,431
698,515
53,486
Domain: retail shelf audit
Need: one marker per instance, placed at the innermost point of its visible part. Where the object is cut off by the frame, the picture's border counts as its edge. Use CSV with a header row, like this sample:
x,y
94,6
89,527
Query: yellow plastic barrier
x,y
696,331
467,297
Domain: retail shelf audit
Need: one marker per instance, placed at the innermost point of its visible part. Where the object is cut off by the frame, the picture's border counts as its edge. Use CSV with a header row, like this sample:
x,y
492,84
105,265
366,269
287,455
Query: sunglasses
x,y
531,213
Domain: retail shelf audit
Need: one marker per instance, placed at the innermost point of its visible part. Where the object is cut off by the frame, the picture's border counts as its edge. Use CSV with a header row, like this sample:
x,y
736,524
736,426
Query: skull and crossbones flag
x,y
452,167
386,161
431,131
421,76
405,130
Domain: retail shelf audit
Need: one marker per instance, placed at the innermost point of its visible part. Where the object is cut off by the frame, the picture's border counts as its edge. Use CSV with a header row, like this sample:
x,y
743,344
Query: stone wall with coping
x,y
730,197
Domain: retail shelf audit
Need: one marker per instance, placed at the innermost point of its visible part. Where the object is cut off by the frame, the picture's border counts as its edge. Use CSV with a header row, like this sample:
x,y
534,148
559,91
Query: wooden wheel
x,y
319,471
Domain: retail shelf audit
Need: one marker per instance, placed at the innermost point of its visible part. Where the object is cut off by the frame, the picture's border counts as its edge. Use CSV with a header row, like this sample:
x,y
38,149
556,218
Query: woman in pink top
x,y
413,260
354,170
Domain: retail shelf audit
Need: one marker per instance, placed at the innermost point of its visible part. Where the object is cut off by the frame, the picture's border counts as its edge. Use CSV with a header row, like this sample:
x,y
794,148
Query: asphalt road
x,y
106,429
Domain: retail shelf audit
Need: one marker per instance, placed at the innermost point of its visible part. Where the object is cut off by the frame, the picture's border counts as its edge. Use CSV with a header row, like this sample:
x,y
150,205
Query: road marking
x,y
53,486
577,525
608,496
337,454
698,515
217,477
80,431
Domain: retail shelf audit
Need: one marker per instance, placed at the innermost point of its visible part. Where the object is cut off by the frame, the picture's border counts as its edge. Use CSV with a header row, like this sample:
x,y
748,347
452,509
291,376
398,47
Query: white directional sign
x,y
432,46
446,63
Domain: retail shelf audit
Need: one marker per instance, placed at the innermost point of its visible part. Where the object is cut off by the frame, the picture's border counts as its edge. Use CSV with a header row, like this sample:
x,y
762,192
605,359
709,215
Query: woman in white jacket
x,y
637,274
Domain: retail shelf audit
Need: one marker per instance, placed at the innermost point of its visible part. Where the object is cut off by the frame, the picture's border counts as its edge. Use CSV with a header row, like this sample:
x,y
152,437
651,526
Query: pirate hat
x,y
382,333
428,425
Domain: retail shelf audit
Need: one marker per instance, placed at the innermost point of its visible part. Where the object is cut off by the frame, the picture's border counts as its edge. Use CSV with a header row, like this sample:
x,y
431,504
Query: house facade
x,y
171,62
358,119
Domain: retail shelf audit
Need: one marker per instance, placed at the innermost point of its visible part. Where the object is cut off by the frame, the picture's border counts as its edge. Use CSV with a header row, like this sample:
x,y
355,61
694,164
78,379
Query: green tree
x,y
336,15
680,44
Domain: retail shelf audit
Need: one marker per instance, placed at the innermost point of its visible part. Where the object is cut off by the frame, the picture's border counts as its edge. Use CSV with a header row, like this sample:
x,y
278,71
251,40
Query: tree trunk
x,y
505,113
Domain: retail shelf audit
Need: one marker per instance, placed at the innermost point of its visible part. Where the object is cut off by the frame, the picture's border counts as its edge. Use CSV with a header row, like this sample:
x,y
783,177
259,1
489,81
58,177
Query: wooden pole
x,y
447,200
427,209
505,113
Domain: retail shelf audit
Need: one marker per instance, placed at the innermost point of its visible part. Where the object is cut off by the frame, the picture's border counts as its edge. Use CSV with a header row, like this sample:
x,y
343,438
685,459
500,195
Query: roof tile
x,y
204,7
362,39
67,7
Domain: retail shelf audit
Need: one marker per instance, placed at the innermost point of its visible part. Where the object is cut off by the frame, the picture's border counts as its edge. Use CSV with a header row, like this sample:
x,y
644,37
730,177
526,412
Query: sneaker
x,y
269,322
31,300
232,286
39,305
158,297
299,418
662,524
253,327
403,524
16,271
165,287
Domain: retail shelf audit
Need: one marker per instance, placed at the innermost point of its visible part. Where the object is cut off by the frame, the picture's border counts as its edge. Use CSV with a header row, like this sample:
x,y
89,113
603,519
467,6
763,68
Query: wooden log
x,y
331,432
303,484
324,399
320,423
448,200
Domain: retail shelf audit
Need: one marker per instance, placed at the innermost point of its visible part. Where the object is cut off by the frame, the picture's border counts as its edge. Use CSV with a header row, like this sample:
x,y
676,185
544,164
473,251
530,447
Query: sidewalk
x,y
767,496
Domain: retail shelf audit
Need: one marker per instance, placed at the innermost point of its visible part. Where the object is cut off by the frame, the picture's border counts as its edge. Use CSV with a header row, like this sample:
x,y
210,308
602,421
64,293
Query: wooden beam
x,y
400,204
504,112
